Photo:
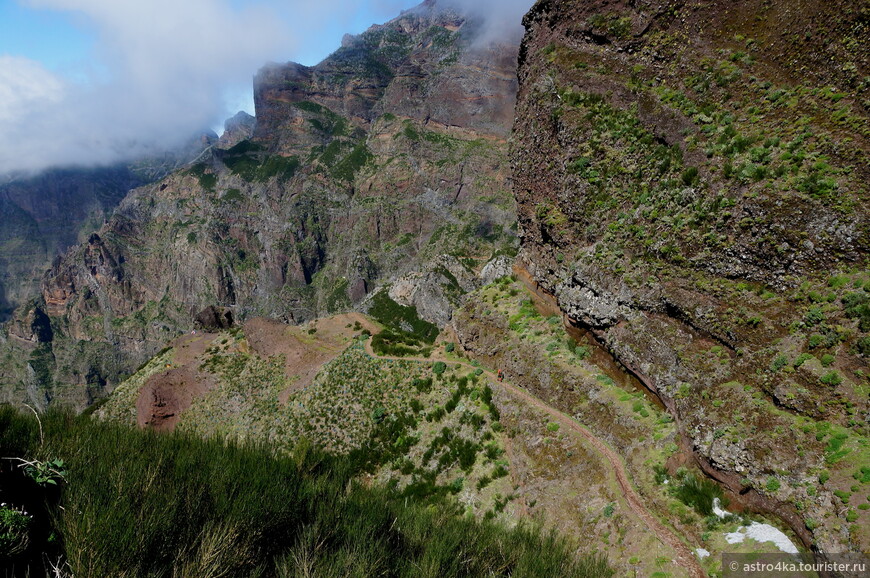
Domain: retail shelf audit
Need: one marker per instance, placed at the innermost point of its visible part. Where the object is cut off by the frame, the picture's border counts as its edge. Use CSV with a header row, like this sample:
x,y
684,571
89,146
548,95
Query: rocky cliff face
x,y
42,216
387,158
691,180
236,129
46,214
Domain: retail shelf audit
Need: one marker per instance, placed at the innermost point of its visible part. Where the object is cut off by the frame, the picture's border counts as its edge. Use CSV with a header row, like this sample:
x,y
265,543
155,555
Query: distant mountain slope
x,y
43,215
692,185
374,164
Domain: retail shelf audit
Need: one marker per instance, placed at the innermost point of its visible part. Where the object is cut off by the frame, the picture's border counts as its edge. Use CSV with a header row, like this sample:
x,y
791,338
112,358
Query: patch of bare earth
x,y
305,348
168,393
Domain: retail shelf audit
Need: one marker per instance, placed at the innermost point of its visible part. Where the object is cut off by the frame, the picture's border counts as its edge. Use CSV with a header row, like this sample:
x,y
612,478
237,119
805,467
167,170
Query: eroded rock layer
x,y
691,180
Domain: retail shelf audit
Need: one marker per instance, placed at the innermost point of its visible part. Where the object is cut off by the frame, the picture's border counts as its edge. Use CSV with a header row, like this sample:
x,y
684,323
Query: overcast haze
x,y
134,76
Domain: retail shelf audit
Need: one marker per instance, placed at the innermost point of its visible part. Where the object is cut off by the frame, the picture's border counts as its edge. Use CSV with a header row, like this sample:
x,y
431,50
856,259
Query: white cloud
x,y
163,65
164,69
502,19
25,83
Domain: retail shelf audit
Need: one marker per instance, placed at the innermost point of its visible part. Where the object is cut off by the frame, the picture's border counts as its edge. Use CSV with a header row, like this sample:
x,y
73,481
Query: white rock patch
x,y
762,533
701,553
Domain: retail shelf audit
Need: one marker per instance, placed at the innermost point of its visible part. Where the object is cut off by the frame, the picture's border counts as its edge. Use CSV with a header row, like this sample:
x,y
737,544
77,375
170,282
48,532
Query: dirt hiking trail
x,y
685,558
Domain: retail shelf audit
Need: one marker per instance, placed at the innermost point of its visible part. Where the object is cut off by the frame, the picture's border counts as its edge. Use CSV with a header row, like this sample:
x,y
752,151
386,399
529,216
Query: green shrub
x,y
396,317
814,316
423,385
232,196
379,414
439,367
772,484
398,343
582,352
250,161
698,493
827,360
831,378
14,531
450,347
815,340
139,503
835,451
690,176
347,168
778,363
206,180
838,281
843,495
857,306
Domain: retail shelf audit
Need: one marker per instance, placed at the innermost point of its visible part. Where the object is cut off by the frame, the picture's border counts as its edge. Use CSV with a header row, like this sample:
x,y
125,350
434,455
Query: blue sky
x,y
63,39
46,36
92,81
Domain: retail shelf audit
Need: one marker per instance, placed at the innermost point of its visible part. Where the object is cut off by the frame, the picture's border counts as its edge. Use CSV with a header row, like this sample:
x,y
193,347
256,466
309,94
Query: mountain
x,y
692,188
43,215
385,161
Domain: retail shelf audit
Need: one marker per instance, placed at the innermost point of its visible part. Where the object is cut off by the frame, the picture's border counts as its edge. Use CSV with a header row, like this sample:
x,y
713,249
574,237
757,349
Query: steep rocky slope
x,y
386,159
691,180
43,215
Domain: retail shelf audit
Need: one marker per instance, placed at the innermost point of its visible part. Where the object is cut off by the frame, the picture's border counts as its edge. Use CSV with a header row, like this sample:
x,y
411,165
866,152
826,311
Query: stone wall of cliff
x,y
691,180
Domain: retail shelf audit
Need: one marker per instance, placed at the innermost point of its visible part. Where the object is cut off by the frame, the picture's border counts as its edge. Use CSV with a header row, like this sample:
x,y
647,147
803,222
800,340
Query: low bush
x,y
698,493
138,503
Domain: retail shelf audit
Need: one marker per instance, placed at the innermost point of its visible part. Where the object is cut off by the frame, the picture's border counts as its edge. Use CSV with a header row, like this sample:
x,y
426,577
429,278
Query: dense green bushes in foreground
x,y
135,503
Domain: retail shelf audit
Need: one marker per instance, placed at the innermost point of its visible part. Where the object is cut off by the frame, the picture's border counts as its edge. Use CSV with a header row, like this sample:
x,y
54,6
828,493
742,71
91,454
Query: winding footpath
x,y
684,556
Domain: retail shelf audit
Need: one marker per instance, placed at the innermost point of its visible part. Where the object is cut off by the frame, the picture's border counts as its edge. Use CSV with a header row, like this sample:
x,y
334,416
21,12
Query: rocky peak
x,y
422,65
236,129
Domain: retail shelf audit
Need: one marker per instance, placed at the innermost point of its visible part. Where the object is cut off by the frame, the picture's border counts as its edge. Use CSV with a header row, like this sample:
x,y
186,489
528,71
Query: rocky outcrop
x,y
213,319
684,192
436,290
236,129
44,215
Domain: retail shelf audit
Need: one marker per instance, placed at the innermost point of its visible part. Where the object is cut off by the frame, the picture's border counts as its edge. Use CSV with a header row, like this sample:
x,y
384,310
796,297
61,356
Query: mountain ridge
x,y
332,197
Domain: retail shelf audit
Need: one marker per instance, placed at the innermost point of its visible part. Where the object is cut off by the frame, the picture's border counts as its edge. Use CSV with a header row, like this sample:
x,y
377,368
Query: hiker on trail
x,y
500,375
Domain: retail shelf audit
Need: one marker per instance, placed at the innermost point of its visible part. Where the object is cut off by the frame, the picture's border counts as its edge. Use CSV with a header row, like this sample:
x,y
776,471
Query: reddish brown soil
x,y
166,394
304,352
